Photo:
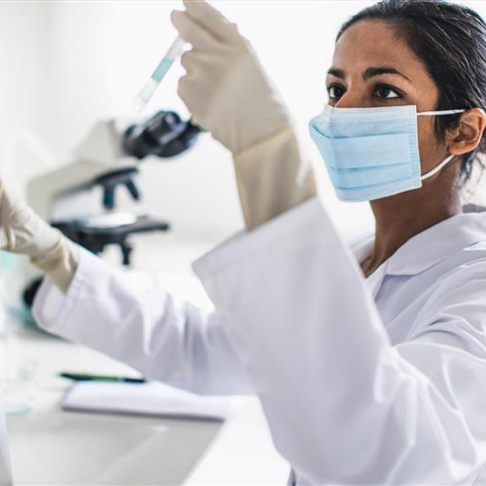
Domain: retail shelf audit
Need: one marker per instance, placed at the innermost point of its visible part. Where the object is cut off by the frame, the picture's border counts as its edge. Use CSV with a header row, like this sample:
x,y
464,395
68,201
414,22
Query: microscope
x,y
107,162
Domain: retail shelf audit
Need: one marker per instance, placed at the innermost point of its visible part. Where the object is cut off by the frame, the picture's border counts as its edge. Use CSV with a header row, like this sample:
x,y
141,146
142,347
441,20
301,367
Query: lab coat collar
x,y
438,243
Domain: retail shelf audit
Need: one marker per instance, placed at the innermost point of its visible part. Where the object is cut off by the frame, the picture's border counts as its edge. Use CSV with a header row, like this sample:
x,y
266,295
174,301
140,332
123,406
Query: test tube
x,y
175,50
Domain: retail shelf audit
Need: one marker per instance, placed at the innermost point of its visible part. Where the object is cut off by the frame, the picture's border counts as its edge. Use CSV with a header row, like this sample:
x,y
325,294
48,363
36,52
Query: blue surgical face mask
x,y
371,153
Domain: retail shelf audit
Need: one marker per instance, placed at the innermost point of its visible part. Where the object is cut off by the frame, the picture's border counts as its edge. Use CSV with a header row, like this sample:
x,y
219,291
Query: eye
x,y
335,91
387,92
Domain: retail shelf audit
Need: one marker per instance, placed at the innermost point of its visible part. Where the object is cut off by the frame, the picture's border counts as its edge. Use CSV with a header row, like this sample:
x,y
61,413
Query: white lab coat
x,y
376,381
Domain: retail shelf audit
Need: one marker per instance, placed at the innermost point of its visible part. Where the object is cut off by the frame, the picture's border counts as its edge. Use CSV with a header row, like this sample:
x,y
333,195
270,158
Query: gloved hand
x,y
229,94
23,231
226,89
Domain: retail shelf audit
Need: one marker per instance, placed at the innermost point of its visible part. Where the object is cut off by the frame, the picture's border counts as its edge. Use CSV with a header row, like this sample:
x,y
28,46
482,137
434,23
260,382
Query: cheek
x,y
429,147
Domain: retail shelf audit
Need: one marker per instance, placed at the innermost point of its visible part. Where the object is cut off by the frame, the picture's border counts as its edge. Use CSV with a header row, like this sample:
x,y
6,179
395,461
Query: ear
x,y
466,137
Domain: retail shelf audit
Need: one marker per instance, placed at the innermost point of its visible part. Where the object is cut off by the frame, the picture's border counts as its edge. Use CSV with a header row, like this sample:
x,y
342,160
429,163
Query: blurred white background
x,y
64,65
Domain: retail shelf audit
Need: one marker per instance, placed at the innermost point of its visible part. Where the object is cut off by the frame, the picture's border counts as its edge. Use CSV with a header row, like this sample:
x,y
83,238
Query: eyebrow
x,y
369,73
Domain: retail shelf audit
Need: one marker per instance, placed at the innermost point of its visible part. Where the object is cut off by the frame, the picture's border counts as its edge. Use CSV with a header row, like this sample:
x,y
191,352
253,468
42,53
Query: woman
x,y
371,375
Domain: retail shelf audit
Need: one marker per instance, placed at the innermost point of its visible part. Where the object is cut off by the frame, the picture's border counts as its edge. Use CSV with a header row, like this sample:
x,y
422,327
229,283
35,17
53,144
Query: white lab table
x,y
52,447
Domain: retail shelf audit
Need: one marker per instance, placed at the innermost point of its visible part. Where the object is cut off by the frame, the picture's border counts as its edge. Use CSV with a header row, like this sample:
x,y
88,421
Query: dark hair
x,y
451,41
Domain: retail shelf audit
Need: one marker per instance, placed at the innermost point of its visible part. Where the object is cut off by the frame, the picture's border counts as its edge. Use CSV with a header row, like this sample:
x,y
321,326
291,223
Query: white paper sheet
x,y
149,399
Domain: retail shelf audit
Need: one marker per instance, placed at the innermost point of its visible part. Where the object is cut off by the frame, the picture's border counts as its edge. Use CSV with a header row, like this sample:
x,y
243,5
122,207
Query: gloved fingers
x,y
210,18
193,32
194,61
188,61
7,239
188,92
191,96
4,242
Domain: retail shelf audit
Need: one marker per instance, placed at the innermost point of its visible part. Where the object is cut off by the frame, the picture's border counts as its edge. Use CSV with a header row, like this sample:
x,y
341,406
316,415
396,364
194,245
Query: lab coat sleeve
x,y
178,344
343,404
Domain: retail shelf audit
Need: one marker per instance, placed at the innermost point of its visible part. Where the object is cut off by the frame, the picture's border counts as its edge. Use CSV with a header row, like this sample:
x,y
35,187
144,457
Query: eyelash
x,y
398,93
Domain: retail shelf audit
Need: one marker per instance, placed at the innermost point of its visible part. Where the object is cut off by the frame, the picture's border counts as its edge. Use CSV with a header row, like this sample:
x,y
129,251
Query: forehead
x,y
375,43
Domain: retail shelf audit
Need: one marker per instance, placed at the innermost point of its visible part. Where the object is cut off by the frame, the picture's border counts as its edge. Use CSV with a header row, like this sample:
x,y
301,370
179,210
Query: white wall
x,y
23,53
78,62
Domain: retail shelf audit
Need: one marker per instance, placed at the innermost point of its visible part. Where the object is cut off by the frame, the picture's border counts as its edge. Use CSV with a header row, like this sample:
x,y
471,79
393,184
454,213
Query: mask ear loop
x,y
438,113
437,169
448,159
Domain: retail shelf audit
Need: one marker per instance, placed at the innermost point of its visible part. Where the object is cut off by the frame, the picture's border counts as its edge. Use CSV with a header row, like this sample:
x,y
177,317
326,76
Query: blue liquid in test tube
x,y
158,75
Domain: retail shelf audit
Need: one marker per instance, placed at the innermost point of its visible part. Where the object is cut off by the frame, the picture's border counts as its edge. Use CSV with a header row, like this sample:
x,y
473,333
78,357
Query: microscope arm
x,y
44,191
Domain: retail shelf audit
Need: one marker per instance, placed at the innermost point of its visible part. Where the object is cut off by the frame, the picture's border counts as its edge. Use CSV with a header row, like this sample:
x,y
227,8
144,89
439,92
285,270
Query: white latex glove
x,y
229,94
272,177
22,231
226,89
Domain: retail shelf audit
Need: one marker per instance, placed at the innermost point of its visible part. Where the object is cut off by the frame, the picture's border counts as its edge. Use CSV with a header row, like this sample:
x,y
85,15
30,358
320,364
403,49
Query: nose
x,y
353,98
